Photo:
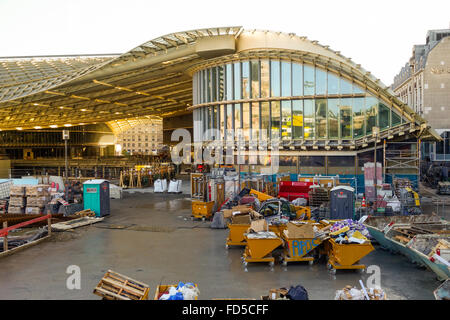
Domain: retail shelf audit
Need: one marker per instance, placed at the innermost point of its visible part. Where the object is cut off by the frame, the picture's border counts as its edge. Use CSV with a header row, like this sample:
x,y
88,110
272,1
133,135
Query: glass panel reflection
x,y
230,126
396,119
245,80
246,120
229,76
297,119
345,115
333,116
321,82
297,79
237,80
265,120
371,114
321,118
275,78
333,83
309,111
254,66
345,86
286,121
308,76
265,79
221,84
358,117
222,121
275,119
255,120
384,116
285,79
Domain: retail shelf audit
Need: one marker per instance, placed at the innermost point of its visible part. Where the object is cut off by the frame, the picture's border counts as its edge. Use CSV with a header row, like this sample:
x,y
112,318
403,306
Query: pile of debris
x,y
349,231
352,293
183,291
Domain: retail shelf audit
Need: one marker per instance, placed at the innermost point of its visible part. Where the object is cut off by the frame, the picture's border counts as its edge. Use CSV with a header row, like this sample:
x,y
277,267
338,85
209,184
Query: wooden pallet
x,y
114,286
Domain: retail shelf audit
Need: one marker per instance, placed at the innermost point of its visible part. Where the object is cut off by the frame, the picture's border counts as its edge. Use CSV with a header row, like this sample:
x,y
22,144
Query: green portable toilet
x,y
96,196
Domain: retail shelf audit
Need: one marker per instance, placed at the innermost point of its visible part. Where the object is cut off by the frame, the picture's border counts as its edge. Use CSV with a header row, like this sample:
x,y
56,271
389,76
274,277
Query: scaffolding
x,y
401,159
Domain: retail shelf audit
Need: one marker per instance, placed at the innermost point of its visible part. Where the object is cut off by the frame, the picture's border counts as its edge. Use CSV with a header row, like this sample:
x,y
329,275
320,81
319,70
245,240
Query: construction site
x,y
285,168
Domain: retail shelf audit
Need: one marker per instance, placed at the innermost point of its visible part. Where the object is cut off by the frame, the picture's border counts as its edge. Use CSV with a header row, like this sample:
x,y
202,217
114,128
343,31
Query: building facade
x,y
144,139
424,84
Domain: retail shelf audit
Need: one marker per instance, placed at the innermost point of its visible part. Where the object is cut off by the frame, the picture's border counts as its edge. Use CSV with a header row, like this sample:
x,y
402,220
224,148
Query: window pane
x,y
265,79
275,78
208,85
321,81
255,120
214,83
214,121
384,114
275,120
345,113
371,114
308,75
285,79
333,83
230,127
229,68
357,89
237,116
297,79
345,86
255,78
222,121
221,84
358,117
396,120
286,121
202,86
245,80
237,80
333,114
246,120
308,106
297,119
321,118
265,120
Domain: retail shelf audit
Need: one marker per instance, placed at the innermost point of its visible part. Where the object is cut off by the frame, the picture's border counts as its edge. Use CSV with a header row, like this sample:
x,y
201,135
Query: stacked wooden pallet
x,y
3,206
114,286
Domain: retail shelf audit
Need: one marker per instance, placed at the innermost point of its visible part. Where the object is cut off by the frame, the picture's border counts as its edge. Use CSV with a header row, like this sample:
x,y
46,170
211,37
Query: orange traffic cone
x,y
363,204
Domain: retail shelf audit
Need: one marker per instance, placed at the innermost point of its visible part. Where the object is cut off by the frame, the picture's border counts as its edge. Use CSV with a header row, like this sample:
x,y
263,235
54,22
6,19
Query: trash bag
x,y
218,221
297,293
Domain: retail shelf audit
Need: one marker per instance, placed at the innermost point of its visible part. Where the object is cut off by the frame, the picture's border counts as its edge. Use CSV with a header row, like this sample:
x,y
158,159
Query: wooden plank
x,y
108,293
30,244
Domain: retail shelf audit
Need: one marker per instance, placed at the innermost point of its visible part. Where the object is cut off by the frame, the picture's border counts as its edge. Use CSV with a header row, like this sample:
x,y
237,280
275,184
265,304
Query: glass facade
x,y
302,101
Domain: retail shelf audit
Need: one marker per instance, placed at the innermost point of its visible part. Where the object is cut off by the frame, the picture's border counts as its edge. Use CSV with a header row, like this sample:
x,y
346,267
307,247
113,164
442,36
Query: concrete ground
x,y
159,244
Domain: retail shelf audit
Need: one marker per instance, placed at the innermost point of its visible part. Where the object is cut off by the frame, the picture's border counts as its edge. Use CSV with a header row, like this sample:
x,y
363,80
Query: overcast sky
x,y
379,34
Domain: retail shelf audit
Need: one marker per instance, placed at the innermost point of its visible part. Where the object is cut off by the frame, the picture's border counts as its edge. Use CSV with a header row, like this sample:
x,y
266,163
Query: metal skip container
x,y
96,196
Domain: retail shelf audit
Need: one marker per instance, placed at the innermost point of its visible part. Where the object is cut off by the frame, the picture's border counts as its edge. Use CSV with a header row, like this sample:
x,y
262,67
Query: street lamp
x,y
65,134
375,134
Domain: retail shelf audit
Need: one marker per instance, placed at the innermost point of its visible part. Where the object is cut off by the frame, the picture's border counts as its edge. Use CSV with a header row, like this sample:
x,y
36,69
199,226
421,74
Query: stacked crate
x,y
17,200
37,197
318,196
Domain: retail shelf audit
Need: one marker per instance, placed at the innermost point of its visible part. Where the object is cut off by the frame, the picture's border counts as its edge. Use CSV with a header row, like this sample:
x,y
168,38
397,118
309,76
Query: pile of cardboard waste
x,y
241,215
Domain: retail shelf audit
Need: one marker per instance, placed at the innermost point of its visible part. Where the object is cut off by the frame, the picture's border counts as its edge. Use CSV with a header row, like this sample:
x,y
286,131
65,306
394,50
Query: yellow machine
x,y
415,195
260,195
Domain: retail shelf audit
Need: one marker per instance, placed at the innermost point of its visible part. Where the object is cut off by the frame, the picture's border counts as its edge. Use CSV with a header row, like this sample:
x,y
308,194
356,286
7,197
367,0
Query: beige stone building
x,y
143,139
424,84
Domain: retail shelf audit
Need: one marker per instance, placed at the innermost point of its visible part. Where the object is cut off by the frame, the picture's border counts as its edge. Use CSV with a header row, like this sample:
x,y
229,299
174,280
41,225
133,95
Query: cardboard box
x,y
241,219
258,225
275,294
300,230
228,213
